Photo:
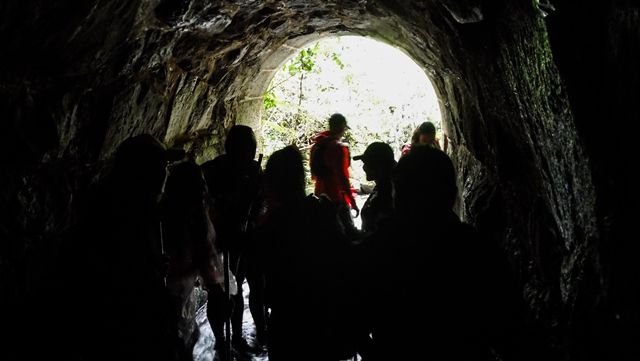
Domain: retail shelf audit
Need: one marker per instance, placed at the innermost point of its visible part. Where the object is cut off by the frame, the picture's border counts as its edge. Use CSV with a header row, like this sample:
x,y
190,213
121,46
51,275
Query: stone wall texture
x,y
537,98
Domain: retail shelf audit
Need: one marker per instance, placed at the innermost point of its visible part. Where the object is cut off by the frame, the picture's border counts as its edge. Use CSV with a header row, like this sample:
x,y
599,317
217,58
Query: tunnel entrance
x,y
381,91
533,174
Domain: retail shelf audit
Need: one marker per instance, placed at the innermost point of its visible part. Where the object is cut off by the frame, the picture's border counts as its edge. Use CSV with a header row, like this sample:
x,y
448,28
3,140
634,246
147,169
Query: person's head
x,y
338,124
424,181
378,161
284,175
426,133
241,143
185,183
140,165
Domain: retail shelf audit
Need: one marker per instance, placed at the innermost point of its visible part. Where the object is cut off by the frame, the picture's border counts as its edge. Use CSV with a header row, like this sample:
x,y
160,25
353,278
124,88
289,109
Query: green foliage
x,y
269,100
337,60
289,125
286,125
304,62
349,79
287,121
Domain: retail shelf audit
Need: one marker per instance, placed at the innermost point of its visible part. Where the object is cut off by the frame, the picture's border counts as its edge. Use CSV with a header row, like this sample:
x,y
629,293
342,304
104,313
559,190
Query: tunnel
x,y
538,98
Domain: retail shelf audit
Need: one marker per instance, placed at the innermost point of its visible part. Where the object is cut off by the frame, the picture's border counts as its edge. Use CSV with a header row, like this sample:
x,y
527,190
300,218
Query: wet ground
x,y
203,350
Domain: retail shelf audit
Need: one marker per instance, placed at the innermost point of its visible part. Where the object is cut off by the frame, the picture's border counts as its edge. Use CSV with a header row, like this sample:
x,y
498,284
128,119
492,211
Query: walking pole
x,y
164,274
227,321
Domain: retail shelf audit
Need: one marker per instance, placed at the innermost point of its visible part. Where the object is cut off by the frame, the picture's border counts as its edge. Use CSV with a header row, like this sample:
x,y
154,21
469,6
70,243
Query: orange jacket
x,y
337,160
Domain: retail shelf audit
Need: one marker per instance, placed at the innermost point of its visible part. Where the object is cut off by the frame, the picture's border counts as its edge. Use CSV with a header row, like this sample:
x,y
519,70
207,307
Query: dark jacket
x,y
435,290
304,252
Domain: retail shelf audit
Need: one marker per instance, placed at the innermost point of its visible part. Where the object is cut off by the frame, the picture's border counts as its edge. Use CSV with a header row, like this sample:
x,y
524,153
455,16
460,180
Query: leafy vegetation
x,y
318,81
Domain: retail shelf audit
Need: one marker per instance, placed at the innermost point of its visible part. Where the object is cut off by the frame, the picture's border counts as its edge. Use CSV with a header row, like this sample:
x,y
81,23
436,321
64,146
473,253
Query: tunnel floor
x,y
203,350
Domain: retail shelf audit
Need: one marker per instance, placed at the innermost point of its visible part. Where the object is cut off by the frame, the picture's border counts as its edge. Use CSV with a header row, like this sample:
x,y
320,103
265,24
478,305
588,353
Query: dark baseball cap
x,y
338,120
378,152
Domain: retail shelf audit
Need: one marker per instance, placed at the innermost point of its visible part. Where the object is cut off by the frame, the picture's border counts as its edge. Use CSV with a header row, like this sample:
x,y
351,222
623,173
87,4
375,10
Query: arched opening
x,y
381,91
384,93
514,103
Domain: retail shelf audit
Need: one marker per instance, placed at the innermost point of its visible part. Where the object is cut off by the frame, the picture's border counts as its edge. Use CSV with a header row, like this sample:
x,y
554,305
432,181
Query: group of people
x,y
330,162
414,282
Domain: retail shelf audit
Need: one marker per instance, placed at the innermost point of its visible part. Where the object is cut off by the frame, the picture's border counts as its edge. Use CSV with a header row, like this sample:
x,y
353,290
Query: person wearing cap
x,y
329,162
425,134
378,164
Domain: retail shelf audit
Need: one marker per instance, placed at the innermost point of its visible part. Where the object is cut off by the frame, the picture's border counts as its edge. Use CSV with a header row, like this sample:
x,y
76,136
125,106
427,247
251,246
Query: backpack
x,y
317,164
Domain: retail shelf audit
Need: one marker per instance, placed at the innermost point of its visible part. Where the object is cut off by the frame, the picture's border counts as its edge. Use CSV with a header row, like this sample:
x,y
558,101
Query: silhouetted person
x,y
437,286
304,250
378,164
234,182
425,134
189,238
119,292
329,164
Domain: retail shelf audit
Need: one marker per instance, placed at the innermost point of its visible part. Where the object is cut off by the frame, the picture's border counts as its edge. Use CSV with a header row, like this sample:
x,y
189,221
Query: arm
x,y
344,179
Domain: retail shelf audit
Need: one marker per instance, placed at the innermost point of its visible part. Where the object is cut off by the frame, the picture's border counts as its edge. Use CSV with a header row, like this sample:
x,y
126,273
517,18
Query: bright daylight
x,y
382,92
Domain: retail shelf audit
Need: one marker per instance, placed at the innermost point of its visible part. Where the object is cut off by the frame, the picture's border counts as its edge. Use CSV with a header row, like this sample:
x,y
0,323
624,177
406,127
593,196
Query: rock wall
x,y
527,90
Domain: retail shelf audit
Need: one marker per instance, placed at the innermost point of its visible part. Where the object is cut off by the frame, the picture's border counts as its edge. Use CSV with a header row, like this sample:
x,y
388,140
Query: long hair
x,y
187,219
284,173
425,180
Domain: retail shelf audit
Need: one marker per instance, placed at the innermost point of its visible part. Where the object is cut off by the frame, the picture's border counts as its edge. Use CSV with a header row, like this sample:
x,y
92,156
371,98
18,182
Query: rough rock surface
x,y
526,99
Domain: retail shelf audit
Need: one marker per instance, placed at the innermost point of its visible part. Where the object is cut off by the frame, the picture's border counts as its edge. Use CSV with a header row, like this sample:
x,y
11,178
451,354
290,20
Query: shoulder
x,y
254,168
325,203
321,201
217,160
216,163
338,144
335,147
320,207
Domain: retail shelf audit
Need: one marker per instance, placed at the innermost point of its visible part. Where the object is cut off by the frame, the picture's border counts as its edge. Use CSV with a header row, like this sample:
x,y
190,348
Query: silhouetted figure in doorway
x,y
329,163
304,250
461,310
425,134
189,238
235,186
378,164
118,291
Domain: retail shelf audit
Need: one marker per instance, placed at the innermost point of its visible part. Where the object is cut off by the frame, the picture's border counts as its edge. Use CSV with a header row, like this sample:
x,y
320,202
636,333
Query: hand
x,y
354,206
